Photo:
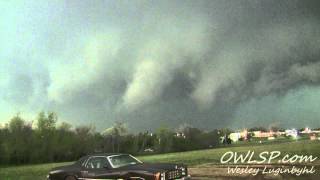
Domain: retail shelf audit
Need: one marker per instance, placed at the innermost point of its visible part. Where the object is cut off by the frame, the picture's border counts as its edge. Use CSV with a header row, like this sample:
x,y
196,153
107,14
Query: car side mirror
x,y
106,166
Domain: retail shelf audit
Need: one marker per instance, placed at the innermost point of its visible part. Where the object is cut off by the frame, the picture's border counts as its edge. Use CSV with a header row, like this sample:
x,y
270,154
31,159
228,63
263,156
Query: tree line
x,y
21,143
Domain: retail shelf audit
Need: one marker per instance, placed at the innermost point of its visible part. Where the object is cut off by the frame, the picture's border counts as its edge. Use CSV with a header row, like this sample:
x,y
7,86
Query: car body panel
x,y
145,171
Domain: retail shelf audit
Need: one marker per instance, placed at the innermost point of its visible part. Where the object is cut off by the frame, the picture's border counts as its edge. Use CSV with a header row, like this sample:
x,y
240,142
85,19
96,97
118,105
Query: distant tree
x,y
64,140
65,126
224,131
16,124
249,136
4,149
210,139
114,134
46,124
274,128
83,141
226,140
262,129
22,144
19,143
164,139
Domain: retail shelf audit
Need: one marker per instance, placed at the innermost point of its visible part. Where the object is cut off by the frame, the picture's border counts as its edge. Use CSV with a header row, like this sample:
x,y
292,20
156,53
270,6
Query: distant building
x,y
309,131
236,136
313,137
180,134
292,132
306,131
260,134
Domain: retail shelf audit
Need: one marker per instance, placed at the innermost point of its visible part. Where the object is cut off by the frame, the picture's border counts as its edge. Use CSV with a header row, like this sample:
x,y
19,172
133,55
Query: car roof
x,y
106,154
83,158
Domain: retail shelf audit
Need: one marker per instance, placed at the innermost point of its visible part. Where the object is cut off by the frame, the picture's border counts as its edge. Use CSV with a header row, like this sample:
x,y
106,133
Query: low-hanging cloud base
x,y
208,64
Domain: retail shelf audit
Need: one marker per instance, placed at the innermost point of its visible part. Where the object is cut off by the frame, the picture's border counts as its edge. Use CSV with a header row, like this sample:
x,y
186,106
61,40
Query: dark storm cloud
x,y
26,85
195,62
171,62
21,89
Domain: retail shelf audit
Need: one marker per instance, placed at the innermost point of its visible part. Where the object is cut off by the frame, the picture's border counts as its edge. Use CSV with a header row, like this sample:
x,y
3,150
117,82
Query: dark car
x,y
117,166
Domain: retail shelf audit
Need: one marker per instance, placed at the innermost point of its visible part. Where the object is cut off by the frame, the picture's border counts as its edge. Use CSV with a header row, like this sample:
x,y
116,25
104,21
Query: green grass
x,y
28,172
38,172
214,155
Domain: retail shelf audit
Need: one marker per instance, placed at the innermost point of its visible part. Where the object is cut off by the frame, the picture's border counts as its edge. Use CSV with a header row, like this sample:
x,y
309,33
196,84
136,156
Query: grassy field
x,y
191,158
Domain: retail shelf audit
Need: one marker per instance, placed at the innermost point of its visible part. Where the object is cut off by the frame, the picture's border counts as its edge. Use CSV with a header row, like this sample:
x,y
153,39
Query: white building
x,y
292,132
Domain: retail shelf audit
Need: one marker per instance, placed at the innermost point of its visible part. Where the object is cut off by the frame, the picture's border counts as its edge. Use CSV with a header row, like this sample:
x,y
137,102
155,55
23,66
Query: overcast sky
x,y
210,64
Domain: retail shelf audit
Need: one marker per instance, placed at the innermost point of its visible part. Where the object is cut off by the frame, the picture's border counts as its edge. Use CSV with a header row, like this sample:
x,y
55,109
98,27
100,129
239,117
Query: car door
x,y
97,167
